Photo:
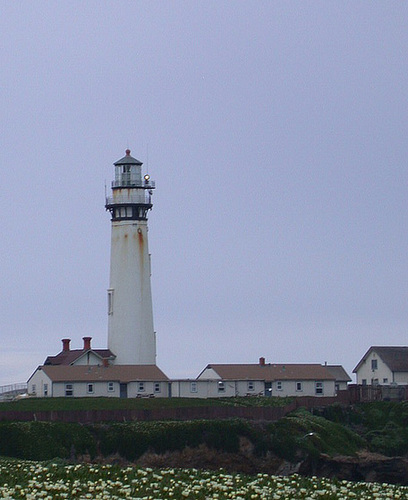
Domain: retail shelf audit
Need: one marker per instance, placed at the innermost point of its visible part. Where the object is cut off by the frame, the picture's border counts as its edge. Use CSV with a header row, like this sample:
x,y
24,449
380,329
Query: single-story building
x,y
383,365
268,379
125,381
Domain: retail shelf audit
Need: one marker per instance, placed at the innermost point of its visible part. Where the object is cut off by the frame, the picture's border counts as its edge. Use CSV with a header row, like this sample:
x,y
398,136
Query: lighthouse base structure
x,y
131,335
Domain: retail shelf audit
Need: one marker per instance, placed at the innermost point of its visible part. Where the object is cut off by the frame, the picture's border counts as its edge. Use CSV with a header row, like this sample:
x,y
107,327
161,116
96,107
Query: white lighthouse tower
x,y
131,335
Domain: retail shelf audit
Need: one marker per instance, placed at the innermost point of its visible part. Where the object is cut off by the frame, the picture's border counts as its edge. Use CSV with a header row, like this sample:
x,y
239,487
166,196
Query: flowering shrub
x,y
33,480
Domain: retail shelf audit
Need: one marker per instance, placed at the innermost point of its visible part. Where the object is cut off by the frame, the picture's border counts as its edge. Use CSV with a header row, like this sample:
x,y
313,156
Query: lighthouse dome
x,y
128,160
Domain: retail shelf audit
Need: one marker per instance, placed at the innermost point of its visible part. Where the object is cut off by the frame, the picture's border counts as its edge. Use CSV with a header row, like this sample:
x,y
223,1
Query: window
x,y
111,387
33,389
385,380
157,387
337,387
221,386
364,381
90,388
299,386
45,389
141,387
374,381
110,301
279,385
374,364
251,385
69,390
193,387
319,387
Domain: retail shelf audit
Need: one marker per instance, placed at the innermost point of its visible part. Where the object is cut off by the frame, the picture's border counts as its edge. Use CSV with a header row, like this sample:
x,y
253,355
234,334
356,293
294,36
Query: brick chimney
x,y
87,343
105,362
65,345
262,361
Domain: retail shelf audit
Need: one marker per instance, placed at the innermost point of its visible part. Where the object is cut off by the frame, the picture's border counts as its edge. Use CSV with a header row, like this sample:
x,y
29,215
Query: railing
x,y
133,183
12,388
138,199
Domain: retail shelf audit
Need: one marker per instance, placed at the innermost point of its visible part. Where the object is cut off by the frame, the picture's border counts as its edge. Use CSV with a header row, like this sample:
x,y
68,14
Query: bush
x,y
131,440
45,440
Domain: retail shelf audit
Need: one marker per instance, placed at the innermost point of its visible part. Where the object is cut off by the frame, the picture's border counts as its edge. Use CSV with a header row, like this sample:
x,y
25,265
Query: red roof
x,y
69,357
95,373
271,372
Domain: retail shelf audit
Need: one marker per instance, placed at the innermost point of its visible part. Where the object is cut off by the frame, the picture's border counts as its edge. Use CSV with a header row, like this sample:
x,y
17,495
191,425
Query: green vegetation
x,y
296,436
23,480
383,424
45,440
53,404
301,433
334,430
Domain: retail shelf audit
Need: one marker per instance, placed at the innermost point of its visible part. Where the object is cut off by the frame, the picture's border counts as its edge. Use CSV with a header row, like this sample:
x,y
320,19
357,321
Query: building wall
x,y
401,378
88,358
285,388
80,389
368,374
158,389
101,389
342,385
39,385
201,388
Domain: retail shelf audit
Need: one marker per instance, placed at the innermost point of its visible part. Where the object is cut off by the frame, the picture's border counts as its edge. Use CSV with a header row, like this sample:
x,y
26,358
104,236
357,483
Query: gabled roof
x,y
271,372
69,357
111,373
395,357
339,373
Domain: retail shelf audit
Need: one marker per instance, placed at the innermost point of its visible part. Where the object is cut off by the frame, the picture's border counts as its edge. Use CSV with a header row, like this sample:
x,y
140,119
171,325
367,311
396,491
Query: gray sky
x,y
276,133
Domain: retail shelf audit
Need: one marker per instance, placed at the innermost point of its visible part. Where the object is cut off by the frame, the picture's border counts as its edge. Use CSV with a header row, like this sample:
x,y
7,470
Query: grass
x,y
69,404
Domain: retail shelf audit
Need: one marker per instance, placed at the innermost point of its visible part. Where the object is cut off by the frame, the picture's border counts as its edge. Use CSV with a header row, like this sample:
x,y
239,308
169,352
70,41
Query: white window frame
x,y
111,387
90,388
141,387
45,390
110,301
374,364
319,388
279,385
221,386
251,386
33,389
299,387
157,387
69,390
193,387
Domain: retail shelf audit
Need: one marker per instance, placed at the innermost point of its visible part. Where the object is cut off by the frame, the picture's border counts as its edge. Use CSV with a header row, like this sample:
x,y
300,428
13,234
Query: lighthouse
x,y
131,335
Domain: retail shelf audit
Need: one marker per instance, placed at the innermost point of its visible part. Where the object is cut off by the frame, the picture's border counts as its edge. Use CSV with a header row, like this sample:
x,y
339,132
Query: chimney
x,y
65,345
262,361
87,343
105,362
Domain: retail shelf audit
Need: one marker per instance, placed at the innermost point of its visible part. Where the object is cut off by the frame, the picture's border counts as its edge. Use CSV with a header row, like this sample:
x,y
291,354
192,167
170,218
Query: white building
x,y
266,379
125,381
383,365
131,334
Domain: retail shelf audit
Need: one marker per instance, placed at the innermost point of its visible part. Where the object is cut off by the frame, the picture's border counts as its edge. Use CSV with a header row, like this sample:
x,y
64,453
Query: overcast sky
x,y
276,132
